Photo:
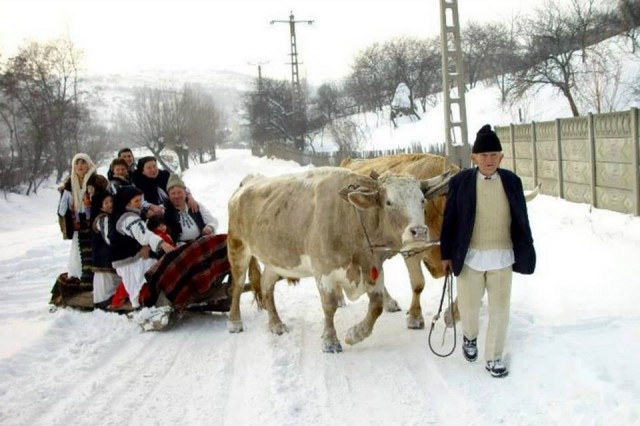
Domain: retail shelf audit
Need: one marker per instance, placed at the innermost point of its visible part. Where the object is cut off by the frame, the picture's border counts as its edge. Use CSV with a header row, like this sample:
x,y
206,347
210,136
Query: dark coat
x,y
459,218
149,186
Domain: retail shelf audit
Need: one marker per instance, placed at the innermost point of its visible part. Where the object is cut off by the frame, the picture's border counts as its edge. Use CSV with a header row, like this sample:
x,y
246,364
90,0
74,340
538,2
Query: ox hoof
x,y
356,334
390,305
331,347
235,326
278,329
415,323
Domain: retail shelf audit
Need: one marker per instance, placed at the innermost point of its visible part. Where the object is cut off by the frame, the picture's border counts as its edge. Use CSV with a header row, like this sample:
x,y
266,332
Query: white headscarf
x,y
78,188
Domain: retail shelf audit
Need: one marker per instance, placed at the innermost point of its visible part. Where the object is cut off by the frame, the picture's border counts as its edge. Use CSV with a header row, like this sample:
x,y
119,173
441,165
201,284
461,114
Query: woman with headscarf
x,y
74,214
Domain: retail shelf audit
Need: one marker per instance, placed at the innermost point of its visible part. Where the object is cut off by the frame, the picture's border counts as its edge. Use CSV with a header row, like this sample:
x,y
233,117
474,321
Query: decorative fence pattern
x,y
592,159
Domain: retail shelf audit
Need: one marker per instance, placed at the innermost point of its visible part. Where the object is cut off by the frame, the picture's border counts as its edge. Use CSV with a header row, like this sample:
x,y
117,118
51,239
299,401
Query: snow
x,y
573,346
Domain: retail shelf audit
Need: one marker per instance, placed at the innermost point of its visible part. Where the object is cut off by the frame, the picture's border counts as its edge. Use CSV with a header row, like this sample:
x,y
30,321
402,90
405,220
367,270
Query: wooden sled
x,y
73,294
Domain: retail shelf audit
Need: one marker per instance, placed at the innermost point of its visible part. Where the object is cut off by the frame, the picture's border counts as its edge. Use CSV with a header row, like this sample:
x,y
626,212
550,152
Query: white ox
x,y
331,224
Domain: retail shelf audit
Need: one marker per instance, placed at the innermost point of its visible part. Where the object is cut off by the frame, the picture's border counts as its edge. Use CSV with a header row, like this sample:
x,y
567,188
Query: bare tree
x,y
41,101
367,82
629,17
346,134
600,81
144,121
555,41
483,47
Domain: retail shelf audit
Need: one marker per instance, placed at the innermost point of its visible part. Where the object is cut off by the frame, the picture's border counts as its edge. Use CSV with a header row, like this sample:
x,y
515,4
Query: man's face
x,y
107,205
120,171
128,157
136,202
178,197
487,162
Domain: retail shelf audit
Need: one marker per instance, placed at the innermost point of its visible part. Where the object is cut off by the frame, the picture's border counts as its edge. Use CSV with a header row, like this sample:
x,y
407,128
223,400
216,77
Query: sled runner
x,y
69,293
194,277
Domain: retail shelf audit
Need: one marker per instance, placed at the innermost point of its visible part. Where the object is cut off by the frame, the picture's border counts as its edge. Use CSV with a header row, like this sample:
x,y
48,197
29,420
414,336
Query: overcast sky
x,y
128,35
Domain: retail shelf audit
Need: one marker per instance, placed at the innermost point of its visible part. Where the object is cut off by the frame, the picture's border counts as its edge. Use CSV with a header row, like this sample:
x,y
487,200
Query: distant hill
x,y
109,93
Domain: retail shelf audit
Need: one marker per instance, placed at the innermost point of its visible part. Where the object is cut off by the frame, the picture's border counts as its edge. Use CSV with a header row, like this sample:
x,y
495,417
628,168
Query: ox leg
x,y
415,320
339,295
268,284
451,320
363,329
390,304
239,264
330,342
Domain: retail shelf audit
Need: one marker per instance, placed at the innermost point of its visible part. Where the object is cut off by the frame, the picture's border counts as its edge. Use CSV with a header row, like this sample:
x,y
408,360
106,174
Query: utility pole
x,y
299,113
262,113
453,86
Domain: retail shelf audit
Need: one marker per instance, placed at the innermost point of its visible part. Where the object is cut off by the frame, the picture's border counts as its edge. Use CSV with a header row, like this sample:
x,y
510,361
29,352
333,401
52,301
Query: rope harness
x,y
447,288
405,253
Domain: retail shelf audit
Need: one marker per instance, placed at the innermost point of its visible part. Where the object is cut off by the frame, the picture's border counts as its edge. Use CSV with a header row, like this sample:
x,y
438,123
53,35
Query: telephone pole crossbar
x,y
299,114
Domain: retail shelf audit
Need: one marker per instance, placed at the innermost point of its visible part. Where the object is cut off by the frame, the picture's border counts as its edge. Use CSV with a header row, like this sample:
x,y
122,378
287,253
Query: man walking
x,y
485,238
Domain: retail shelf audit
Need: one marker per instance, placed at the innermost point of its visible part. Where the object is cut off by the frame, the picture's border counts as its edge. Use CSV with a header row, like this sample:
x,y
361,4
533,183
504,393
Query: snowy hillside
x,y
110,93
484,106
573,345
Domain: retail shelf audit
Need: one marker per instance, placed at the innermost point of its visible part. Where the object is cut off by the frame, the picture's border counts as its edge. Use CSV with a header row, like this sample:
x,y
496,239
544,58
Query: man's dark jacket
x,y
459,218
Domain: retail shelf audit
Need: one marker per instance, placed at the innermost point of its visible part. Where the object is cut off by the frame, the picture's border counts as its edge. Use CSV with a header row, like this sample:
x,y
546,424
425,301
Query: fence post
x,y
534,153
592,159
513,146
635,140
559,158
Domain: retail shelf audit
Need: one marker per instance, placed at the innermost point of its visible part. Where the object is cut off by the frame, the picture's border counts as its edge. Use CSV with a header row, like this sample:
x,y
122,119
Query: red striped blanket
x,y
188,274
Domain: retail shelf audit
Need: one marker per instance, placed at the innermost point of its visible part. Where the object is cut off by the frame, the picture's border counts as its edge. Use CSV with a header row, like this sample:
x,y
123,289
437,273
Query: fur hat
x,y
97,200
174,180
123,196
486,141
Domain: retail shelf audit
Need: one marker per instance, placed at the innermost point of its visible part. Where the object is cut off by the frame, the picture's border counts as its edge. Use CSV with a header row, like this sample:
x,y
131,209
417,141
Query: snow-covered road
x,y
573,345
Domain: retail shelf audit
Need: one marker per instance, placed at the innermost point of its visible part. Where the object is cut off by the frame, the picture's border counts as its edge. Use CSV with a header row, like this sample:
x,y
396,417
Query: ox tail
x,y
254,282
533,194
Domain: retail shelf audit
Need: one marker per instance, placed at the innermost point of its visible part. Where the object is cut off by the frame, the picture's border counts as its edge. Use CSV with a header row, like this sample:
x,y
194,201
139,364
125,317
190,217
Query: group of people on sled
x,y
138,236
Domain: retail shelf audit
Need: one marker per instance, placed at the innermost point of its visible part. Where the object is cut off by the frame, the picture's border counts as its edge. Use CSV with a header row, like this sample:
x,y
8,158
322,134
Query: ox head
x,y
395,210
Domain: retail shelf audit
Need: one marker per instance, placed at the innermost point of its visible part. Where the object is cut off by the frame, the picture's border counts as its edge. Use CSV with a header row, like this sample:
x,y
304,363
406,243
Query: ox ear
x,y
435,186
363,199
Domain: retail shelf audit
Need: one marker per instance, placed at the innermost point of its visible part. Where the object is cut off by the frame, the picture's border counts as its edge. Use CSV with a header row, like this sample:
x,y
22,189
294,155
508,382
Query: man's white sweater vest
x,y
492,228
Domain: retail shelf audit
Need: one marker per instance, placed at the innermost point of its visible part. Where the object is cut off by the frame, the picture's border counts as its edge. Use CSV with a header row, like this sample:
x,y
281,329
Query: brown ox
x,y
328,223
422,166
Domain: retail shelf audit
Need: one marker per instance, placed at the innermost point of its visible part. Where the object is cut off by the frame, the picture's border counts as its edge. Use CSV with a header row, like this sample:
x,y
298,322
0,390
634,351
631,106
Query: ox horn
x,y
438,185
533,194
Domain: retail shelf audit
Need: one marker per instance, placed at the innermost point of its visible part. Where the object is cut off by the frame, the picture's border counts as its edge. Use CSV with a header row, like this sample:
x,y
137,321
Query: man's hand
x,y
207,230
155,210
446,265
166,247
193,204
145,252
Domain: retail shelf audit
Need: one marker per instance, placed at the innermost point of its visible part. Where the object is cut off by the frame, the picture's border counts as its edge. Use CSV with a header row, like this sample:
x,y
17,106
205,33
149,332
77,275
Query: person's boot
x,y
469,349
497,368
